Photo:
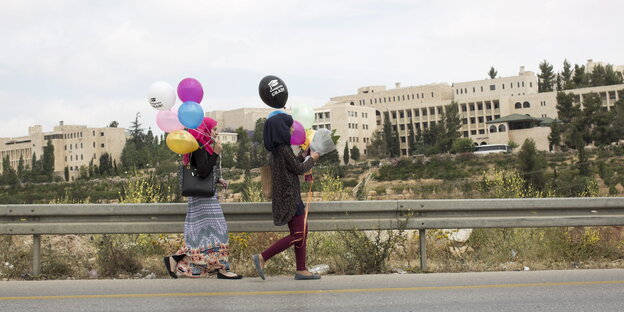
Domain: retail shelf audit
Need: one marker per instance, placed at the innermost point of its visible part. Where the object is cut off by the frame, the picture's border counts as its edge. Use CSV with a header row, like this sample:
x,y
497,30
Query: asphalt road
x,y
574,290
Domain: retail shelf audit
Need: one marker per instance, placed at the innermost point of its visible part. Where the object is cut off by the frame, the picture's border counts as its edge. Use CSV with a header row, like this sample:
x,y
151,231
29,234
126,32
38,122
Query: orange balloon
x,y
181,142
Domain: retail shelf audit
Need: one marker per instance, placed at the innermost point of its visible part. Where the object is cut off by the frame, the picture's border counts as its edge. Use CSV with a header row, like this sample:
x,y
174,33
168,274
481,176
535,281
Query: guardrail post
x,y
36,254
423,249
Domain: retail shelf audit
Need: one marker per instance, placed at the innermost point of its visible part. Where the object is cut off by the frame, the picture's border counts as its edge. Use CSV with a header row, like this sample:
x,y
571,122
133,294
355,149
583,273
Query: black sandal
x,y
168,267
223,276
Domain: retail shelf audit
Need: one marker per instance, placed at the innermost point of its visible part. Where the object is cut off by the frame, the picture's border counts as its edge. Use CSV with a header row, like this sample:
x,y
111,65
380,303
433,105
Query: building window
x,y
439,110
488,118
492,129
473,120
488,106
473,132
463,107
81,157
465,121
479,106
402,139
518,105
465,134
71,157
432,110
65,158
480,119
526,105
501,128
472,107
503,85
102,145
496,116
417,112
424,112
65,146
496,105
81,145
481,131
492,87
402,127
432,94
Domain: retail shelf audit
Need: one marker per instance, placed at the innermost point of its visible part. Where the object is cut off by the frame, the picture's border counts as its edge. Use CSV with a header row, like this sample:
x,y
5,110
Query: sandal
x,y
223,276
168,267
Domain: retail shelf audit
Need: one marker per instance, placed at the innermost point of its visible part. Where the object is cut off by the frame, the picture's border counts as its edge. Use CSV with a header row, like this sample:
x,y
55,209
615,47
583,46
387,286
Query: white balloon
x,y
161,95
322,142
304,114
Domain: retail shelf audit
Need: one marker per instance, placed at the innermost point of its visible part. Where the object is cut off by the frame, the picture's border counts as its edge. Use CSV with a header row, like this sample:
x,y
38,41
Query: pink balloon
x,y
167,121
190,89
298,136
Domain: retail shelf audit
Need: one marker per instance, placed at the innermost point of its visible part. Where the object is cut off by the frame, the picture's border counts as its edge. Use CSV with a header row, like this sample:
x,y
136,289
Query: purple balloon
x,y
190,89
298,136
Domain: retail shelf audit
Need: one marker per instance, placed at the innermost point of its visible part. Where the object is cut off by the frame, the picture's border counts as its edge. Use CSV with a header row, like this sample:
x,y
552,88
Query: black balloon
x,y
273,91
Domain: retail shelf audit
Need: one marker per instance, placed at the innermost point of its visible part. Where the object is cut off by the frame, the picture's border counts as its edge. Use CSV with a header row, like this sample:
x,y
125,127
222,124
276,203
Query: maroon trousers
x,y
296,237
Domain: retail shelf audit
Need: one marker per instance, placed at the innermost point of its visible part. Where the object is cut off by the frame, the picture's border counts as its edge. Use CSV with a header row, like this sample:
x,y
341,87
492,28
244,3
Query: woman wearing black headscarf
x,y
288,208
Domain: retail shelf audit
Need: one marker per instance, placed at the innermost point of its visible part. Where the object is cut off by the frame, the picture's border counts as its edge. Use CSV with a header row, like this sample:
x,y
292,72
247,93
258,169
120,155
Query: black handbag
x,y
192,184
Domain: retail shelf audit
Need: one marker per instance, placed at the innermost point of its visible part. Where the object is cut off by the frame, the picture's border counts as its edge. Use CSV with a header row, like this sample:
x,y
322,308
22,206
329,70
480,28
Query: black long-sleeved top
x,y
205,163
285,171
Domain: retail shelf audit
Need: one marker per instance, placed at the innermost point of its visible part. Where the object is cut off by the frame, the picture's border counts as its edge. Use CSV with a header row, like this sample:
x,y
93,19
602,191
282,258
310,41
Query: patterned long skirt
x,y
206,239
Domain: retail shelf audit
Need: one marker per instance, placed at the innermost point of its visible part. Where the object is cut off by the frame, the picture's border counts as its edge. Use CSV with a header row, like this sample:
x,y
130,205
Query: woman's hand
x,y
224,183
315,155
218,147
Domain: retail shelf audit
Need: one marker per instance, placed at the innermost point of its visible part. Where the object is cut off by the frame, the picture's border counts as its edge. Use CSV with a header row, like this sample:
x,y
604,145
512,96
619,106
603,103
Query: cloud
x,y
92,62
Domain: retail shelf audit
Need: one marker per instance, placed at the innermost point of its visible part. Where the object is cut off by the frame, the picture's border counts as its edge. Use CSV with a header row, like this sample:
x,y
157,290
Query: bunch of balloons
x,y
274,93
173,121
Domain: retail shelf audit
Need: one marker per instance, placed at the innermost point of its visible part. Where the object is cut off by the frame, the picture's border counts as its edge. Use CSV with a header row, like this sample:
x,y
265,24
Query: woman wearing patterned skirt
x,y
205,231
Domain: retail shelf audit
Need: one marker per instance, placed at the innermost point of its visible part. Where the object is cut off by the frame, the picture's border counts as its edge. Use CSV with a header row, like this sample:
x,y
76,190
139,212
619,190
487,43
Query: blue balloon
x,y
273,113
190,114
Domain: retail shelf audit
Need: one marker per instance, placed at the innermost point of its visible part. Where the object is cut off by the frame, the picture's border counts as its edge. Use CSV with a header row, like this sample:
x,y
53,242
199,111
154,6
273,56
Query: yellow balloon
x,y
181,142
309,135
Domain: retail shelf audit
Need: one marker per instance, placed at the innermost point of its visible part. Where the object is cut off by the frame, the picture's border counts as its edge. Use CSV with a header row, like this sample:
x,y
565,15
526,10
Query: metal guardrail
x,y
419,215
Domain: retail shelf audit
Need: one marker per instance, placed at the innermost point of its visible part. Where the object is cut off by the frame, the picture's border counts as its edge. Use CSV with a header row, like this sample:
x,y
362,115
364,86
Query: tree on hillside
x,y
387,133
355,153
581,79
243,154
20,167
554,138
106,165
463,145
377,147
345,154
411,139
566,76
9,177
258,152
598,76
618,118
492,73
451,123
532,164
546,77
48,160
612,77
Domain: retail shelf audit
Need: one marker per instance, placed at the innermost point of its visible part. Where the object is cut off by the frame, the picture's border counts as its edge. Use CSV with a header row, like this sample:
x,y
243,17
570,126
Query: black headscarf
x,y
277,131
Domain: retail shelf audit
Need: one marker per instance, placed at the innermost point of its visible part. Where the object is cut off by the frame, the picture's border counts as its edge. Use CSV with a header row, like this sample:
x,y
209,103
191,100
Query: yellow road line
x,y
300,292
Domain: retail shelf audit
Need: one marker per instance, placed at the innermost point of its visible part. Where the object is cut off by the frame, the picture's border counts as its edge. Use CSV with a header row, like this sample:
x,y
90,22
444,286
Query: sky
x,y
92,62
